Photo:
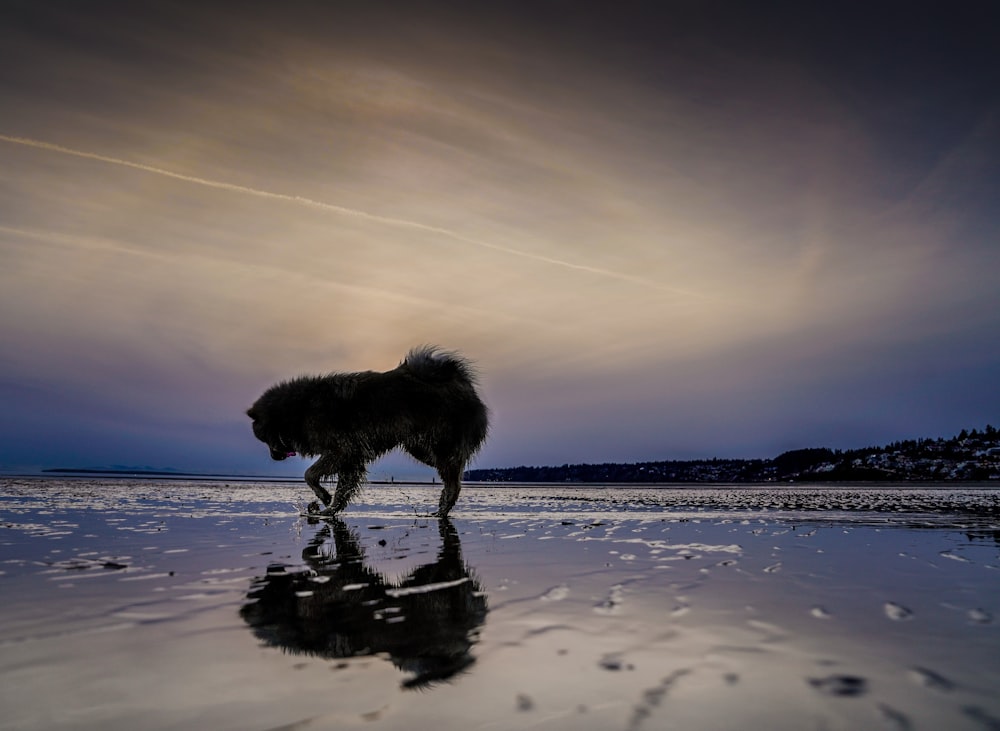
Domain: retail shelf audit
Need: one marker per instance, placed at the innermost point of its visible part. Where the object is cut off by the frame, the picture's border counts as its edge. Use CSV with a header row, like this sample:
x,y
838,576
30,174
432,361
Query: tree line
x,y
968,456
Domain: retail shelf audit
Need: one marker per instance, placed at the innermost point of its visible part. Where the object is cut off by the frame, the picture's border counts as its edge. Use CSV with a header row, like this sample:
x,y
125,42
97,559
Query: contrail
x,y
344,211
96,244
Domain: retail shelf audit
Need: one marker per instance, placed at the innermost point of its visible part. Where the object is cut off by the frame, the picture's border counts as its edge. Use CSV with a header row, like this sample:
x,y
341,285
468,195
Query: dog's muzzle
x,y
281,453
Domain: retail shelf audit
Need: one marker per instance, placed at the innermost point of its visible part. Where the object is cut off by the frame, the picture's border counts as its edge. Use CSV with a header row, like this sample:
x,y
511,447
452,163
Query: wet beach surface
x,y
169,604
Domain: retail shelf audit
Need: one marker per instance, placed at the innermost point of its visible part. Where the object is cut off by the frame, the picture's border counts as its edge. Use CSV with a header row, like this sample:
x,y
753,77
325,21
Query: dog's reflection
x,y
338,607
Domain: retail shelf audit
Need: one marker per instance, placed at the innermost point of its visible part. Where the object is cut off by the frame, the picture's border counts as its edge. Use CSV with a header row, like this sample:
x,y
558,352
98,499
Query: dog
x,y
428,405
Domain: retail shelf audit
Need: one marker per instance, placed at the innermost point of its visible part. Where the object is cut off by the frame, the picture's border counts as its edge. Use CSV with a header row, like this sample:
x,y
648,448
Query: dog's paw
x,y
313,507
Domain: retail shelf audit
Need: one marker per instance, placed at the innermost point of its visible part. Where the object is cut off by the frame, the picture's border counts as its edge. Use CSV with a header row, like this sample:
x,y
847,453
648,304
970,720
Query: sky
x,y
664,230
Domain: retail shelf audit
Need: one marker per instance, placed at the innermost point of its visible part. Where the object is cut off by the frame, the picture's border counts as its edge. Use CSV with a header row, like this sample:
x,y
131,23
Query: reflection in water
x,y
339,607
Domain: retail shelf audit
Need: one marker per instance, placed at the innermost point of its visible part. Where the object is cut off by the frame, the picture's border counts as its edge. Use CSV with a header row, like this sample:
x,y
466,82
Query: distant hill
x,y
970,456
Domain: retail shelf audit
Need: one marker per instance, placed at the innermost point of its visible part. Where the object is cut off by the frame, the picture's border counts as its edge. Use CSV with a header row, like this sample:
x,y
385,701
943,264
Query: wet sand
x,y
181,605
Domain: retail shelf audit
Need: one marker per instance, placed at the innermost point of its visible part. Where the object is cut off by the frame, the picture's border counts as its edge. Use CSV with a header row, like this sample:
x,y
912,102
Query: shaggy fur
x,y
428,405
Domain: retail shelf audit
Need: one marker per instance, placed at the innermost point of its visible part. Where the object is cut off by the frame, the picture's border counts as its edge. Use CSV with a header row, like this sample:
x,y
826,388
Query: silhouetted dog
x,y
428,405
339,607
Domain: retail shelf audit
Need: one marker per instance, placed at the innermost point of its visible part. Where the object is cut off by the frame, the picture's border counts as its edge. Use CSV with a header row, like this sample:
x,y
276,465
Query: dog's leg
x,y
349,481
451,476
323,467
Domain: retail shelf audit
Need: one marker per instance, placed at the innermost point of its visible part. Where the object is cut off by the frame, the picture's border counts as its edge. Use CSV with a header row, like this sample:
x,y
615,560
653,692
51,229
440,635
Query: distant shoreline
x,y
165,475
160,475
176,475
172,473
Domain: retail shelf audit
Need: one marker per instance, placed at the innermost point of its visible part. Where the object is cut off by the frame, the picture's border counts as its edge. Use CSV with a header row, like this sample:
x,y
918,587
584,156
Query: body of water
x,y
178,604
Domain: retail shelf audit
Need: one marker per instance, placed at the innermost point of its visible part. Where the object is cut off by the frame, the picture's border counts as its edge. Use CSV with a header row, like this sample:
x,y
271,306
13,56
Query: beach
x,y
175,604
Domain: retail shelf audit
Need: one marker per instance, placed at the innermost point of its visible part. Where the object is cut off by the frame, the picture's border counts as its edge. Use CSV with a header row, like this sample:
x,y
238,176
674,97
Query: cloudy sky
x,y
667,230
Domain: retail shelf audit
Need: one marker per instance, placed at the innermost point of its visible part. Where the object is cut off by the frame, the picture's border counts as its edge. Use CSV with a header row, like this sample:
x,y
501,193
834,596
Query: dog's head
x,y
265,430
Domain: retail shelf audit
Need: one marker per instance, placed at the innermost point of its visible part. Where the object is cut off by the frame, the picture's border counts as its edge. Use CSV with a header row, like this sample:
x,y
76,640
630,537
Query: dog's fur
x,y
428,405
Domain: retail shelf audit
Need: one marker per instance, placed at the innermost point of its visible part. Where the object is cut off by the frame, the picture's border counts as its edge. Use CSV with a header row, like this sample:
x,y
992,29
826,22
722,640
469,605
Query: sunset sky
x,y
663,230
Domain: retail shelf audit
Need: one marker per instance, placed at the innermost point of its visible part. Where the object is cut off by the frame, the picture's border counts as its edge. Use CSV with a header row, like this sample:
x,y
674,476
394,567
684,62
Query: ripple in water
x,y
897,612
556,593
980,616
931,679
840,685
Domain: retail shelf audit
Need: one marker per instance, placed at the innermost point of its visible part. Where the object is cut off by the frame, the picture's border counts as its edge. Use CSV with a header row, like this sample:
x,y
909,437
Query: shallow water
x,y
156,605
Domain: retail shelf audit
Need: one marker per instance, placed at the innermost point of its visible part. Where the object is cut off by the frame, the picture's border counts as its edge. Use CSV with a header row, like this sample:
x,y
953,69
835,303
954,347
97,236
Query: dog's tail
x,y
431,363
